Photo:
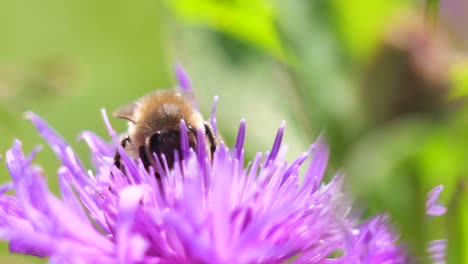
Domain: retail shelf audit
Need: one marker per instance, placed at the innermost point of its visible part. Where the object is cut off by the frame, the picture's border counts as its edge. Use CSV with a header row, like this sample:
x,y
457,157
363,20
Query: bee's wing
x,y
127,112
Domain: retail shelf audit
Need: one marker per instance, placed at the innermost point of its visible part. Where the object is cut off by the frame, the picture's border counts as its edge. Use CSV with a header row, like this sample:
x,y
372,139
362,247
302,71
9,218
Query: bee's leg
x,y
144,157
191,129
209,134
123,143
154,145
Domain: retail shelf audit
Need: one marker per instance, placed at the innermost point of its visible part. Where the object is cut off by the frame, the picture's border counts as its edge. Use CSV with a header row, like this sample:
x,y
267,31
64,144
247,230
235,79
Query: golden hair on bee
x,y
154,126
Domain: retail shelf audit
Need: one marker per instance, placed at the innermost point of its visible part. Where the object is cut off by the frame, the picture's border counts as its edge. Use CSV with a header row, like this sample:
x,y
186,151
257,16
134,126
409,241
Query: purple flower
x,y
201,211
436,251
374,242
431,207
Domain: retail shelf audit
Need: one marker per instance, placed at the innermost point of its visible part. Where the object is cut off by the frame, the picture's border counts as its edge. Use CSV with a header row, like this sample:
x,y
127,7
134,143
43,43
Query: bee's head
x,y
167,142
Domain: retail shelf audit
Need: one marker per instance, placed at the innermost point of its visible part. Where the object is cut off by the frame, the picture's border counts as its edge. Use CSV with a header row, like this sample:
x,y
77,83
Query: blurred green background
x,y
385,80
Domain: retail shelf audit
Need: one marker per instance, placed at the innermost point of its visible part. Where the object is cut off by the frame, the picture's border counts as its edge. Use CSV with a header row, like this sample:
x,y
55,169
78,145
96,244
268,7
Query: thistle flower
x,y
200,211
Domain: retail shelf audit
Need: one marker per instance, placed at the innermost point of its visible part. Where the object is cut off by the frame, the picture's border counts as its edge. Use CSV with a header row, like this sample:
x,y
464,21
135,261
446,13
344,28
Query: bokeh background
x,y
385,81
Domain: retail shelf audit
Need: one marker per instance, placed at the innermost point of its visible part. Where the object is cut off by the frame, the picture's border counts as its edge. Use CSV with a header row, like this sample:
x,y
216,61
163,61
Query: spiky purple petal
x,y
431,207
183,78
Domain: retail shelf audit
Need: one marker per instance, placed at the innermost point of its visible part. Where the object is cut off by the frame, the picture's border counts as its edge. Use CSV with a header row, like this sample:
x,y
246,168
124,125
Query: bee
x,y
154,126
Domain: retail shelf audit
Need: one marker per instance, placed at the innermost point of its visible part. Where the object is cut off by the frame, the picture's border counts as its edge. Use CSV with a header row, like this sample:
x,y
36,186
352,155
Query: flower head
x,y
201,211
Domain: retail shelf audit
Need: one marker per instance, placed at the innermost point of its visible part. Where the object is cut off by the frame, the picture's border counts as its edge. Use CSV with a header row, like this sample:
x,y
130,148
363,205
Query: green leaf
x,y
360,23
459,77
250,21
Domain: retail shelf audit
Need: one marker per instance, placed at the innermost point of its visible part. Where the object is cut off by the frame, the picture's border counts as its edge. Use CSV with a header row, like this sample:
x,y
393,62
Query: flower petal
x,y
431,207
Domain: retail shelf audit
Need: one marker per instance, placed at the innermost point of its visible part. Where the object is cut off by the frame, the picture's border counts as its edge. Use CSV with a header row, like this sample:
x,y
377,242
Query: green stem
x,y
432,11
